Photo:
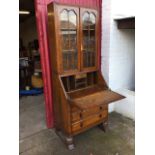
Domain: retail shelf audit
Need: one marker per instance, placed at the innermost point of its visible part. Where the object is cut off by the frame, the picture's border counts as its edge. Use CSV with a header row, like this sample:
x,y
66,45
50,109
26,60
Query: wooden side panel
x,y
53,60
56,103
101,80
52,37
65,110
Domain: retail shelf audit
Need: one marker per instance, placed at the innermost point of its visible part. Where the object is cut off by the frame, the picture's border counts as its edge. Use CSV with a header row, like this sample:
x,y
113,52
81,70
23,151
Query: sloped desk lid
x,y
96,99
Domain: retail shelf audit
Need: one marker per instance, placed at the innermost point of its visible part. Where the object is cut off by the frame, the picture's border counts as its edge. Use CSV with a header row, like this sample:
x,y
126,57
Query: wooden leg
x,y
69,143
104,126
68,140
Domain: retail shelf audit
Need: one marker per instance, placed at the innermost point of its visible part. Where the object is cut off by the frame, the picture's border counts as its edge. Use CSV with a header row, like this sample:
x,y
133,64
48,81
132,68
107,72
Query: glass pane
x,y
92,21
72,20
89,43
65,40
92,40
85,39
68,34
70,60
64,19
73,41
85,20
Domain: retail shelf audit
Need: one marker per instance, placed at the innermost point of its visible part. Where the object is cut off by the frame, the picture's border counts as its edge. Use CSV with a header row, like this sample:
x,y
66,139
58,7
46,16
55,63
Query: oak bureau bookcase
x,y
80,93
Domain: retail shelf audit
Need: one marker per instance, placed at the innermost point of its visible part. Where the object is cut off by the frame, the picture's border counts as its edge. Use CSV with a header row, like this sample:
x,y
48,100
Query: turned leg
x,y
69,142
104,126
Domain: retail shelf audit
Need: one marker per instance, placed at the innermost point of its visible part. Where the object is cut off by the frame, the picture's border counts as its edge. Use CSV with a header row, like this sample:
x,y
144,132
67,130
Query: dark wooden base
x,y
103,126
68,140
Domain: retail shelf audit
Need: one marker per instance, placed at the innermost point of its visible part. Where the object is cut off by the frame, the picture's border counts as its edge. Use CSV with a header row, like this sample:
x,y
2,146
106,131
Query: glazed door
x,y
88,32
68,27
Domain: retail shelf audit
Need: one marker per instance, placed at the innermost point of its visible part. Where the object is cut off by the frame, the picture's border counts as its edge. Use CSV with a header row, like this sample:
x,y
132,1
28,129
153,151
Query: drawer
x,y
95,110
89,121
77,115
95,118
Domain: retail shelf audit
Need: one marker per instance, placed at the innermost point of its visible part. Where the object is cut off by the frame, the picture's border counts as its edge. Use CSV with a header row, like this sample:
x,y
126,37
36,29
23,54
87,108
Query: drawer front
x,y
77,115
89,121
94,110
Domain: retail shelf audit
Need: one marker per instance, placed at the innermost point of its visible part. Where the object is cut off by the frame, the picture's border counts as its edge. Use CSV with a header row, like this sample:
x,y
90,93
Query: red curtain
x,y
41,18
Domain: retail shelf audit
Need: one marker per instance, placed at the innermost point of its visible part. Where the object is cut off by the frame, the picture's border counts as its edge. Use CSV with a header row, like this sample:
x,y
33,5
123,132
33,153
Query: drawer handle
x,y
100,115
101,107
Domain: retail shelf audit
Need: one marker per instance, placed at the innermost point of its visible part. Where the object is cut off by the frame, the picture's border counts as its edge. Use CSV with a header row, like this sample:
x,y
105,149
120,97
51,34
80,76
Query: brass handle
x,y
101,107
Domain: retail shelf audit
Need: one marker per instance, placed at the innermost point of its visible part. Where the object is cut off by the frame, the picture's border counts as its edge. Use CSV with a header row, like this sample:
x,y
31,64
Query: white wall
x,y
122,8
28,30
122,58
118,46
126,106
118,54
105,39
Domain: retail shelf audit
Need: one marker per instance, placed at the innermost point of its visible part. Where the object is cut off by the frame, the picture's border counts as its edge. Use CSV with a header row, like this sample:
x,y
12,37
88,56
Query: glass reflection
x,y
85,20
68,21
92,21
72,20
64,19
89,45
